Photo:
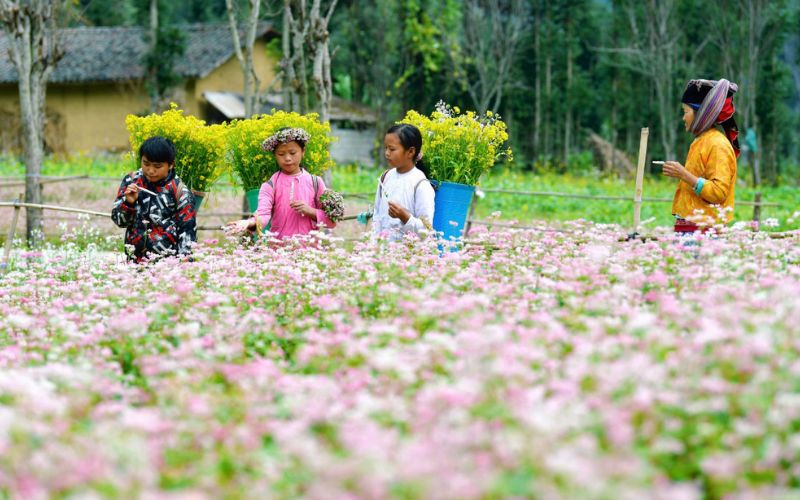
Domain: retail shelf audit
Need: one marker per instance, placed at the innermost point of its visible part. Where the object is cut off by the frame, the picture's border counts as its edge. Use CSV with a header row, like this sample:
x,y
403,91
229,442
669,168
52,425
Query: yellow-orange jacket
x,y
711,157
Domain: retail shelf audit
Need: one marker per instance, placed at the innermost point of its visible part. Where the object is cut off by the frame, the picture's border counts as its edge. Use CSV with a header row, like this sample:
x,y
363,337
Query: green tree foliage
x,y
399,57
574,72
369,58
170,44
105,13
200,11
134,12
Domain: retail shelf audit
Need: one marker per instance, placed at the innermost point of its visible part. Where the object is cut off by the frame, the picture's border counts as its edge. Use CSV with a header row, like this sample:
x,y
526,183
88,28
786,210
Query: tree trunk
x,y
666,119
249,104
750,116
294,60
31,98
491,34
306,42
548,85
654,53
660,38
568,101
299,30
154,97
286,66
319,44
321,75
32,36
537,117
244,53
323,87
613,118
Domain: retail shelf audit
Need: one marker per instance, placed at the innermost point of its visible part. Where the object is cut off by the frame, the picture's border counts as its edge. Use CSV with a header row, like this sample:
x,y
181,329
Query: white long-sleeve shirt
x,y
413,192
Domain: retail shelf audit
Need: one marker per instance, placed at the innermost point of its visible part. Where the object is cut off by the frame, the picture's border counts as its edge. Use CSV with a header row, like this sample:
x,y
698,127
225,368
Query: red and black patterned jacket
x,y
161,225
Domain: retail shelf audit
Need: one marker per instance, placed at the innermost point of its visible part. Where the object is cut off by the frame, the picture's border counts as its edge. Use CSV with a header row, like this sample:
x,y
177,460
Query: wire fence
x,y
369,195
20,181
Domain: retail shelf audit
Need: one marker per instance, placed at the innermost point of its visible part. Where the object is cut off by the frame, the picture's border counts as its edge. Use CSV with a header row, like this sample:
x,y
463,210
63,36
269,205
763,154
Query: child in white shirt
x,y
404,201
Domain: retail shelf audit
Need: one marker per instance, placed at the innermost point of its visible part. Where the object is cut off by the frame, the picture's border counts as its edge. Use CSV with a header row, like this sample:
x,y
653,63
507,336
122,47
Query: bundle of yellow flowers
x,y
460,147
200,149
254,166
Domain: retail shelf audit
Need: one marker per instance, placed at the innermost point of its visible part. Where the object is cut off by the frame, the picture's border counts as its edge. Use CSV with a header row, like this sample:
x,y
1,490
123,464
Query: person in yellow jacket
x,y
705,193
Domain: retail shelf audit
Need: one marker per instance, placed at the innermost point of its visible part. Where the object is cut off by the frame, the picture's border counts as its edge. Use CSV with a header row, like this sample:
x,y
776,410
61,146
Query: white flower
x,y
21,321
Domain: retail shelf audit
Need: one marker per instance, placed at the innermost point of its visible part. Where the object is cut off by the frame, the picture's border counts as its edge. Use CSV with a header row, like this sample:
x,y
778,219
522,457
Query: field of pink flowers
x,y
531,364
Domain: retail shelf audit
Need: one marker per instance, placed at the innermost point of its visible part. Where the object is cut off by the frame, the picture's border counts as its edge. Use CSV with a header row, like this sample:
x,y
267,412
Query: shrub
x,y
460,147
200,149
253,166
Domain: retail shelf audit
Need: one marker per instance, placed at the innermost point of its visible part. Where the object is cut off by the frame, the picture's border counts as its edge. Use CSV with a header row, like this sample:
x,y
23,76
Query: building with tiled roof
x,y
100,80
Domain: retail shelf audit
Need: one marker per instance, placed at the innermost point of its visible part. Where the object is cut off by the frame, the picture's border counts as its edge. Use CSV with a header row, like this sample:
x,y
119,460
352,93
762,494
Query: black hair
x,y
158,149
410,137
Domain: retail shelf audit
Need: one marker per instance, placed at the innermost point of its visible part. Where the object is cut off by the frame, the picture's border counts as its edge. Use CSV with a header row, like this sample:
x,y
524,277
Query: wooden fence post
x,y
637,198
757,208
11,232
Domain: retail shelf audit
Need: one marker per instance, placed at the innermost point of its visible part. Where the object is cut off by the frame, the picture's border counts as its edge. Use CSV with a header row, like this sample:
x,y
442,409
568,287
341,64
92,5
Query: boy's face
x,y
155,171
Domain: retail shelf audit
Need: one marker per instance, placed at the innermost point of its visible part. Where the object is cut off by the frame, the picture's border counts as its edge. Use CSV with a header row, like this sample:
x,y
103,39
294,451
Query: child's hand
x,y
397,211
131,194
240,226
302,208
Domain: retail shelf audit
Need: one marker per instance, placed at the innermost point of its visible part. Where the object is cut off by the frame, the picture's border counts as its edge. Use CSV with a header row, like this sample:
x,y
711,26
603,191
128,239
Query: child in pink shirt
x,y
288,203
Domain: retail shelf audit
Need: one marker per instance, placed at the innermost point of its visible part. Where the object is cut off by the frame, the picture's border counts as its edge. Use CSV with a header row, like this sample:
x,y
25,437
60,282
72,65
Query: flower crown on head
x,y
284,136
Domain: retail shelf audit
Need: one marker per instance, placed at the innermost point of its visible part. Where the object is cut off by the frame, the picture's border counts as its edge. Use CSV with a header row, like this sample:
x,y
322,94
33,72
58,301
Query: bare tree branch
x,y
654,53
244,52
492,33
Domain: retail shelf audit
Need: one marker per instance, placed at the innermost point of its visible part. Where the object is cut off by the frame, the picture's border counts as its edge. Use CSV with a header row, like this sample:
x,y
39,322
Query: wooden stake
x,y
11,232
637,198
757,207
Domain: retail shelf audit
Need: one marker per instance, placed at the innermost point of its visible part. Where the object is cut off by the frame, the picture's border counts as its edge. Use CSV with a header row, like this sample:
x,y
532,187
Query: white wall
x,y
352,145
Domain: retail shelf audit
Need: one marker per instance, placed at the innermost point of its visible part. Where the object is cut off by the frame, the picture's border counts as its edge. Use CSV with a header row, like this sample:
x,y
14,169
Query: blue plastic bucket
x,y
452,208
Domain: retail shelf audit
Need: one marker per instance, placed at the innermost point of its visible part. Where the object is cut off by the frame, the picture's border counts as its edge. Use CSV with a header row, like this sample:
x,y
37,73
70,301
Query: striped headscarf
x,y
713,103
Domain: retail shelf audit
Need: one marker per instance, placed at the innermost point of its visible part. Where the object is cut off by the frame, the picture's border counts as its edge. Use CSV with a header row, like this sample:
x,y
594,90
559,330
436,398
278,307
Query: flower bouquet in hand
x,y
332,203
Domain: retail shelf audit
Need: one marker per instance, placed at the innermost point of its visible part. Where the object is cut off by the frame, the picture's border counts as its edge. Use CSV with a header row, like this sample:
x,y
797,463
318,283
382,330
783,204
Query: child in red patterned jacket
x,y
154,206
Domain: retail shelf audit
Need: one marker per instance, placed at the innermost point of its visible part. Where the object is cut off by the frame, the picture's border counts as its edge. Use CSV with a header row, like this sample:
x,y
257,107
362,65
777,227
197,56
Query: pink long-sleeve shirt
x,y
273,204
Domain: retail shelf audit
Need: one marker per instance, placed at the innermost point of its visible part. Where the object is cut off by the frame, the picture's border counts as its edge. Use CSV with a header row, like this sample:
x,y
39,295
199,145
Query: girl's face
x,y
289,156
396,155
688,116
155,171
